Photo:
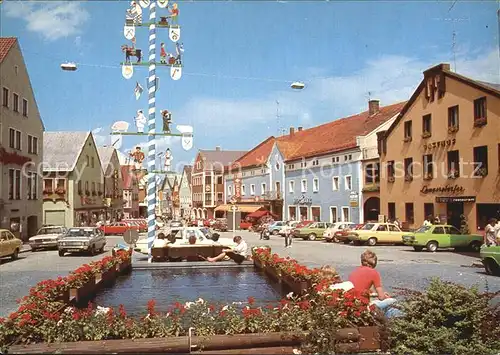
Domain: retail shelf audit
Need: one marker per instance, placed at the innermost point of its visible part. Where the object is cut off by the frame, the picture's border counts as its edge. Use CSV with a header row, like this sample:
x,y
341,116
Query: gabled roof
x,y
492,89
6,44
220,157
62,149
258,155
105,154
186,173
334,136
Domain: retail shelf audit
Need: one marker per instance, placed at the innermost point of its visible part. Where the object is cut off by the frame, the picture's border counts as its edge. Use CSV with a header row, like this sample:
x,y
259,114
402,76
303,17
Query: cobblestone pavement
x,y
399,266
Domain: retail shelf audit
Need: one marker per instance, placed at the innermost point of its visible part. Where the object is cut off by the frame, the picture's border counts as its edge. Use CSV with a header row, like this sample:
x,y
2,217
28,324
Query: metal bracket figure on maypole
x,y
119,129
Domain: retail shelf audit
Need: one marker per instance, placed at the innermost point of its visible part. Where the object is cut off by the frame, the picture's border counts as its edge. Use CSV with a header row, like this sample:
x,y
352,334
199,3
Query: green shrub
x,y
447,319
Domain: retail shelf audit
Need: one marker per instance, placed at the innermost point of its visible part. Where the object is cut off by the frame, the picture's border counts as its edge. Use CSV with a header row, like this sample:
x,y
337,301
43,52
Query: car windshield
x,y
79,233
49,231
368,226
423,229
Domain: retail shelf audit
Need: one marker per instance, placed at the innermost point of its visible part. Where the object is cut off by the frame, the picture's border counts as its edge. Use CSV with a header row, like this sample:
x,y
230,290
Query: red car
x,y
140,225
342,236
303,224
117,228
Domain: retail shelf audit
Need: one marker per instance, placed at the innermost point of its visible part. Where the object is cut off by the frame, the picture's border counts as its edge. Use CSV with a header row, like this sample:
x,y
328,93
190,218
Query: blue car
x,y
276,227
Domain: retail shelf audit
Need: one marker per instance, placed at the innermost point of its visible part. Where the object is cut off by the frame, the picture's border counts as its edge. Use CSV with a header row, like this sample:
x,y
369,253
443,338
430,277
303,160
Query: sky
x,y
240,59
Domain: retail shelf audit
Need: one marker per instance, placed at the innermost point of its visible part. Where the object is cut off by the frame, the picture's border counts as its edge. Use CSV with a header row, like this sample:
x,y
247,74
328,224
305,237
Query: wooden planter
x,y
63,297
297,287
85,292
107,277
273,273
124,267
355,340
259,264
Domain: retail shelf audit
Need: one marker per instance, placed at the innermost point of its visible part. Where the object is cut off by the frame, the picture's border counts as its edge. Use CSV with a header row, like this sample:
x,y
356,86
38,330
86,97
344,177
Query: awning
x,y
241,208
262,213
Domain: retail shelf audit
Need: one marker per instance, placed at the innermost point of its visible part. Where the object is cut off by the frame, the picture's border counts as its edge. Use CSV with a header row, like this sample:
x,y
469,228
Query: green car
x,y
312,231
442,236
490,256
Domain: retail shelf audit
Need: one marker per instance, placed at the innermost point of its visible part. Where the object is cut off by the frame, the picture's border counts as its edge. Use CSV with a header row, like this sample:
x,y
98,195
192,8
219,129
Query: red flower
x,y
343,314
251,300
76,315
151,307
211,308
121,311
357,314
304,305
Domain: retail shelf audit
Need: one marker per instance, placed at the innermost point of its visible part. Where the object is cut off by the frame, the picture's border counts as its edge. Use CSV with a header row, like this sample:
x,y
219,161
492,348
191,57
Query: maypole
x,y
120,128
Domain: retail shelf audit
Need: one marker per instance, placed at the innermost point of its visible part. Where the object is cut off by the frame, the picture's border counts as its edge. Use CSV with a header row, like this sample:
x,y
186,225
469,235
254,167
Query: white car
x,y
182,238
329,233
47,237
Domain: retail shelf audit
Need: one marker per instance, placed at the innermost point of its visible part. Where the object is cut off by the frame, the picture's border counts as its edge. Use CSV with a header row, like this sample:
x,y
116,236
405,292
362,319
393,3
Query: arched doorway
x,y
372,209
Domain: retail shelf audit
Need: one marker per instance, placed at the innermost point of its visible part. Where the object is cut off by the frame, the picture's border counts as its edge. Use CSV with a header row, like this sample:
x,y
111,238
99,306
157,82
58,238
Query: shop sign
x,y
455,199
455,189
354,199
445,143
302,200
237,187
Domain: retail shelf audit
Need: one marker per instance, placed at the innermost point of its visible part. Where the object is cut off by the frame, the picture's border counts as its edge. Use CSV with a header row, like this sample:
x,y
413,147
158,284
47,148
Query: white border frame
x,y
302,185
27,107
345,182
342,213
252,190
336,212
338,180
263,186
313,189
8,95
290,189
311,213
19,100
288,212
308,211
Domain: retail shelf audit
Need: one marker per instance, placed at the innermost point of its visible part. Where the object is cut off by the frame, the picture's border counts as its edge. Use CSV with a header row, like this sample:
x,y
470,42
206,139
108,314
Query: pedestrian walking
x,y
489,233
288,237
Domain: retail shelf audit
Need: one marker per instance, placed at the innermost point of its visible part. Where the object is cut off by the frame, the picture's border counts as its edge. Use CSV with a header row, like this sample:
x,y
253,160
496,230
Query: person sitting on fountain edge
x,y
365,277
238,253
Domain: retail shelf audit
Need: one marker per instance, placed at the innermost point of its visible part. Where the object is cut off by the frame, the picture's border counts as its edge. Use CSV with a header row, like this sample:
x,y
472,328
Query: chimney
x,y
373,107
299,128
217,149
292,131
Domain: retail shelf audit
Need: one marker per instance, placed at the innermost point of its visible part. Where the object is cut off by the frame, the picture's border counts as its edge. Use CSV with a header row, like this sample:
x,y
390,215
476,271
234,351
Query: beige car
x,y
9,244
377,233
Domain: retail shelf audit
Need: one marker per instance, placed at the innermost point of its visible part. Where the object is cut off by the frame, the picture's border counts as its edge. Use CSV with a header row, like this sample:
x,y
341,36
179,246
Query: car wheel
x,y
15,255
61,252
475,246
418,248
34,249
275,232
492,268
92,250
432,246
347,241
372,242
311,237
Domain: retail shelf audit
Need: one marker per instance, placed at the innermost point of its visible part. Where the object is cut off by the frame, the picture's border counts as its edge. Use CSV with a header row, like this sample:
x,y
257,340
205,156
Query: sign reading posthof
x,y
237,187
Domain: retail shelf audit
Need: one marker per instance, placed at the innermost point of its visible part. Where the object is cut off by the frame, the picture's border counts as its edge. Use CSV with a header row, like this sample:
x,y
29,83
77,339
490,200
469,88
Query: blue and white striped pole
x,y
151,129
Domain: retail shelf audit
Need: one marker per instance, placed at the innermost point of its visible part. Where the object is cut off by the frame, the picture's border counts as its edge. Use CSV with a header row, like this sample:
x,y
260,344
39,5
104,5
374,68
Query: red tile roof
x,y
334,136
6,44
258,155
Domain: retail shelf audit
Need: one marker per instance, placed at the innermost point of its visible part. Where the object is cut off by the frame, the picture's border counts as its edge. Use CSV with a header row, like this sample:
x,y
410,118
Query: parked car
x,y
342,236
117,228
175,224
275,228
9,244
377,233
288,227
442,236
490,256
330,234
83,239
47,237
312,231
142,225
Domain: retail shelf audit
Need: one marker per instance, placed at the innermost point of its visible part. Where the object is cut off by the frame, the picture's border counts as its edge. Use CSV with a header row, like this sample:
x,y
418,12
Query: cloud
x,y
53,20
101,136
388,78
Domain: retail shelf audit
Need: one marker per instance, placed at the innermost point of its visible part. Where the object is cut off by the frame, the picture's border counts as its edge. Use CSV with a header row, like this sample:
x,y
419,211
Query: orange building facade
x,y
441,156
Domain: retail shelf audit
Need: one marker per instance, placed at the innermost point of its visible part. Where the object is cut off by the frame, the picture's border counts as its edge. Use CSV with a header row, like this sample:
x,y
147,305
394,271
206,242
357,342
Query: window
x,y
93,186
5,97
88,160
32,145
292,213
291,186
453,164
243,190
32,183
428,166
408,169
315,162
453,118
346,217
219,180
25,108
219,196
15,102
252,189
14,139
18,140
347,157
14,184
408,130
429,210
92,162
303,186
229,190
333,214
391,211
481,161
452,230
409,213
393,228
382,228
348,183
335,183
372,173
315,185
426,126
263,187
316,214
87,186
47,186
480,108
438,230
390,169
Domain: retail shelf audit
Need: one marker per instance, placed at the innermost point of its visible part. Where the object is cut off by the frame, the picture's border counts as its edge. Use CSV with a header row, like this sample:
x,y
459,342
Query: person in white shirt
x,y
427,222
160,241
238,253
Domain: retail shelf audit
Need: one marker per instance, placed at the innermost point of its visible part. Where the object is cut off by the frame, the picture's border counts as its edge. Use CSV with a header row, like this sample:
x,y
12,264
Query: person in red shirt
x,y
365,278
